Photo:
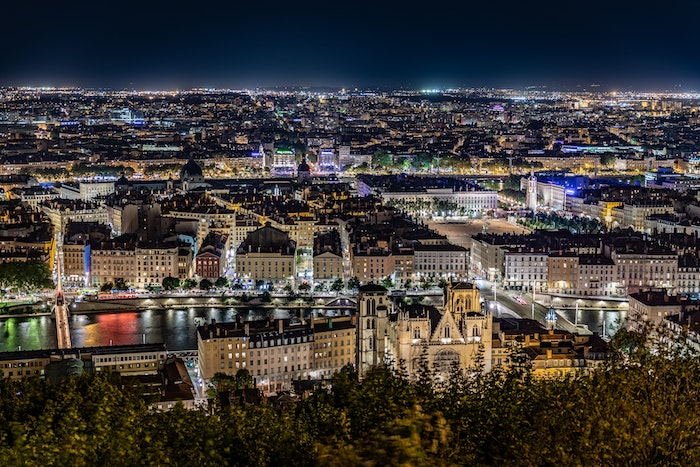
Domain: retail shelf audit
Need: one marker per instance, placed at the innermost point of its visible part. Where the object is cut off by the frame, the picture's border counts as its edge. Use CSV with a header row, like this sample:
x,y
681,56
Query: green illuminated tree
x,y
381,159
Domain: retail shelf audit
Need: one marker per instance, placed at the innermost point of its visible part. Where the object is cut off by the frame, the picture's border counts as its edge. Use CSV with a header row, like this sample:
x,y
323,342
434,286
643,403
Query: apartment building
x,y
267,254
440,261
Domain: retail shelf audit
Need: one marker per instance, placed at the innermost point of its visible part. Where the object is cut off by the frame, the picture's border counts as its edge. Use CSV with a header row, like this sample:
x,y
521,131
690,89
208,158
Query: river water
x,y
175,327
594,319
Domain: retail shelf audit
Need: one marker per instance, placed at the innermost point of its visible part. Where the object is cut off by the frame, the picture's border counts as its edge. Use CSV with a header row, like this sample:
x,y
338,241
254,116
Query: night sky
x,y
154,44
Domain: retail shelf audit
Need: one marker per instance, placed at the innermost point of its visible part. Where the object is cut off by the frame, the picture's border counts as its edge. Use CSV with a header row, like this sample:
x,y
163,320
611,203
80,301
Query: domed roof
x,y
303,167
190,169
122,181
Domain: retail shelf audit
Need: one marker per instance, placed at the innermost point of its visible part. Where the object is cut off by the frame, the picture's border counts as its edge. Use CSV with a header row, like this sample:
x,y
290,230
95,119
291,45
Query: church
x,y
402,335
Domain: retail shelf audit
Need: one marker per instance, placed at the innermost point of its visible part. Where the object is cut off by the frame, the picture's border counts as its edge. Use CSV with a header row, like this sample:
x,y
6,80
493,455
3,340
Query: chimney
x,y
246,329
280,325
549,354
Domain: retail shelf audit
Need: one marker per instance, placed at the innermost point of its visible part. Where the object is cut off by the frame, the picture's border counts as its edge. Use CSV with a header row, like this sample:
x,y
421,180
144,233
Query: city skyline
x,y
437,46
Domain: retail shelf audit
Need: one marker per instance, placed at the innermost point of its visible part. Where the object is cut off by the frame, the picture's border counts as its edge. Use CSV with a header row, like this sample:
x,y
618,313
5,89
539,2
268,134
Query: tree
x,y
205,284
422,161
387,282
337,285
120,283
171,283
189,284
266,297
362,168
25,276
354,283
641,407
291,294
607,159
243,379
221,283
107,287
381,159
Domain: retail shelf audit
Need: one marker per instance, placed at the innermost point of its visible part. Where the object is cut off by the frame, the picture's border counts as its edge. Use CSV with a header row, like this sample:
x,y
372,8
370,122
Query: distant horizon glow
x,y
372,45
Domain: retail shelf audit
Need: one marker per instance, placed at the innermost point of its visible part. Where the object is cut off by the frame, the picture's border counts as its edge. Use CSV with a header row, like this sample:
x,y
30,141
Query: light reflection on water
x,y
176,327
594,319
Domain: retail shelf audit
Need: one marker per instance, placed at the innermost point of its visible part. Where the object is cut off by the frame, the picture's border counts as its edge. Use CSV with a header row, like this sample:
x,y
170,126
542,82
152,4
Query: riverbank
x,y
24,310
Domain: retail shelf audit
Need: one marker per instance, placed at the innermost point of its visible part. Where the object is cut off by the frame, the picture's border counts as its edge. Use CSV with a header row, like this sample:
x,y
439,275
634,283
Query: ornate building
x,y
458,334
191,176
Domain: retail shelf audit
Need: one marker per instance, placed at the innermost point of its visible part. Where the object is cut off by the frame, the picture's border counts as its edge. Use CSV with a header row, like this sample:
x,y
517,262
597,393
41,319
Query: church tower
x,y
531,197
372,327
462,298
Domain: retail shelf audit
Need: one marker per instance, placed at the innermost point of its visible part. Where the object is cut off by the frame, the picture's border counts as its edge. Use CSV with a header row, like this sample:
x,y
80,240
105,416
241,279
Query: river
x,y
594,319
175,327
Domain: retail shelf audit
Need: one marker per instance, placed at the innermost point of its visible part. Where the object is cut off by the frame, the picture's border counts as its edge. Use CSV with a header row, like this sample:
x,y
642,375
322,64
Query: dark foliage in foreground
x,y
643,408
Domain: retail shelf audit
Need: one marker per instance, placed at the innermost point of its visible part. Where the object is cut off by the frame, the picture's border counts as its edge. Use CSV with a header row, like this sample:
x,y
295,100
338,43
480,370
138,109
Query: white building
x,y
526,268
86,190
440,261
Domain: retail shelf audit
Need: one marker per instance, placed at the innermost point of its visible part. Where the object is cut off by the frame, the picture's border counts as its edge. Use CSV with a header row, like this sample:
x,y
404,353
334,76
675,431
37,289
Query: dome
x,y
122,181
190,169
303,167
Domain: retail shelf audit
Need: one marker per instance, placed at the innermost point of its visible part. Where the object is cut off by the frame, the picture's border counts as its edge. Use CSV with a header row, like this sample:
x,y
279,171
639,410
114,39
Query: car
x,y
519,299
